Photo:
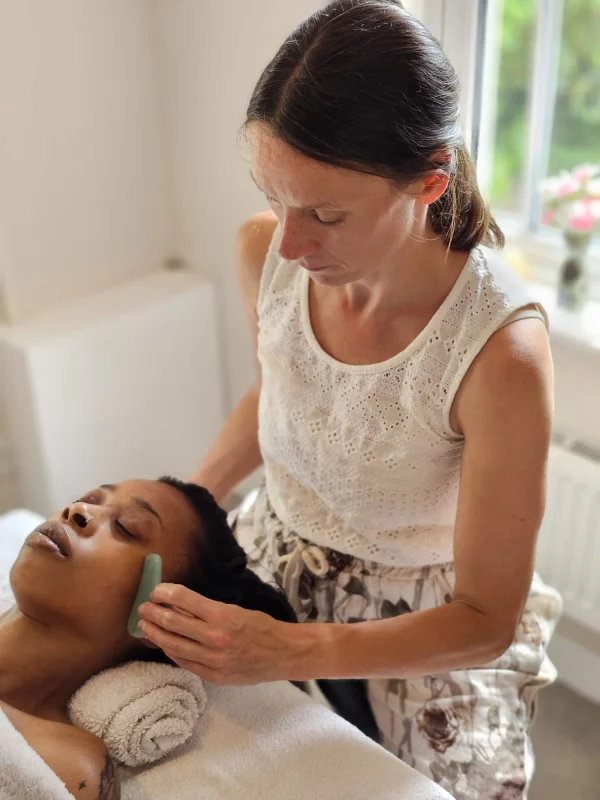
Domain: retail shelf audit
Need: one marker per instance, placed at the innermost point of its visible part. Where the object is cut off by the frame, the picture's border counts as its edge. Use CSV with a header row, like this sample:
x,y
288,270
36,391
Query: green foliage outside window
x,y
576,129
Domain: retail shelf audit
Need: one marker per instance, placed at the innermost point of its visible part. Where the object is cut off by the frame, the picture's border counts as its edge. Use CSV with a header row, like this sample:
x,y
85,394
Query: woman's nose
x,y
295,243
80,517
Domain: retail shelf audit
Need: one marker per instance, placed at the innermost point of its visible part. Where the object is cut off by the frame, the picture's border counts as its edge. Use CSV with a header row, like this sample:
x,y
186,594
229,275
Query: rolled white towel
x,y
142,711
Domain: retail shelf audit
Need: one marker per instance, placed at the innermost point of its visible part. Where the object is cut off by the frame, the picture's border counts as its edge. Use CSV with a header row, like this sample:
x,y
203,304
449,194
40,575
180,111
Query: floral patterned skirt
x,y
467,730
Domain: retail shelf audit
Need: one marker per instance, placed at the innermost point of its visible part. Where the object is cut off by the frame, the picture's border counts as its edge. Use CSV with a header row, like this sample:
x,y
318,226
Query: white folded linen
x,y
142,711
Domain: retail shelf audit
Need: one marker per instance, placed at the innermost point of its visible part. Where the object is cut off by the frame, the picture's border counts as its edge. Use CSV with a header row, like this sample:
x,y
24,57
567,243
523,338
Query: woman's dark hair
x,y
218,565
361,84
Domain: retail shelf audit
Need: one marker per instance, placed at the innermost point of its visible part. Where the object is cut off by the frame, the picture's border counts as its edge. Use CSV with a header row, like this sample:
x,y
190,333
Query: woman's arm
x,y
504,409
235,453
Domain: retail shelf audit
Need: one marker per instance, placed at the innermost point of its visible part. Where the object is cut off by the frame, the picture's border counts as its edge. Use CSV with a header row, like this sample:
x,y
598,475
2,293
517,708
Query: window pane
x,y
515,37
576,128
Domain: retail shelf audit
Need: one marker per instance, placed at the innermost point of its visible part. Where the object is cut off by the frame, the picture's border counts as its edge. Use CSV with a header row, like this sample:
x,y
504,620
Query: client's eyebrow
x,y
147,507
110,487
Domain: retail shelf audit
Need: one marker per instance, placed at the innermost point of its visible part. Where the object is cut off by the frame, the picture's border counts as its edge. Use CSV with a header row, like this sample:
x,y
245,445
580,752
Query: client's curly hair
x,y
218,565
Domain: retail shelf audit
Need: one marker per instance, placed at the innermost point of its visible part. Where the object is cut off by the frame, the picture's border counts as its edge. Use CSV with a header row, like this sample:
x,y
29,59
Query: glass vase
x,y
574,284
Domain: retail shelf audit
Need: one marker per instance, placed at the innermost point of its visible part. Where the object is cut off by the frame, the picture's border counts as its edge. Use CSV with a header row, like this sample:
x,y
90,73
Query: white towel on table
x,y
272,742
142,711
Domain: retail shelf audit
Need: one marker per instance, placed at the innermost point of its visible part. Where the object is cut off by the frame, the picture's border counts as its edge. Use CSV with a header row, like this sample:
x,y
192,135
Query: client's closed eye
x,y
125,531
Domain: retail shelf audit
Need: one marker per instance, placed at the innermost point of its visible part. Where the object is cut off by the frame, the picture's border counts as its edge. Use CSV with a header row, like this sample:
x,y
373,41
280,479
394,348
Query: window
x,y
530,105
458,24
540,111
543,97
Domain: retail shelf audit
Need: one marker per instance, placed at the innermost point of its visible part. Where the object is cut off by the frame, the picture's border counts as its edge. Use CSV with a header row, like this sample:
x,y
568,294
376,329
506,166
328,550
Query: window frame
x,y
543,247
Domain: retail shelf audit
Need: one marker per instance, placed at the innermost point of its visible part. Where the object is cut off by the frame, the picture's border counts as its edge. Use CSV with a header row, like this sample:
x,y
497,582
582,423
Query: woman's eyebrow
x,y
324,204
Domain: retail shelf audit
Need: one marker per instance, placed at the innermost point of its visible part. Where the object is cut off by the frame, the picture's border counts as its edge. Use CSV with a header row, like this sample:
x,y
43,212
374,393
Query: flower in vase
x,y
580,218
571,200
584,172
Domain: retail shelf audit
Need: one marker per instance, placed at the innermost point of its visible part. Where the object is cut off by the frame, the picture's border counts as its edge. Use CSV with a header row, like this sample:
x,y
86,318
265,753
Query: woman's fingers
x,y
179,622
180,648
173,594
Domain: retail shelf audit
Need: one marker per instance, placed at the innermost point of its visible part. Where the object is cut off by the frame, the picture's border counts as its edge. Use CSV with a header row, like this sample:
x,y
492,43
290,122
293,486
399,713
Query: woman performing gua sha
x,y
404,418
74,583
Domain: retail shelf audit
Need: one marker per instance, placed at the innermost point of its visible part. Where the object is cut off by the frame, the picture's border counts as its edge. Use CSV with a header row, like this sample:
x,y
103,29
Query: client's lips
x,y
52,535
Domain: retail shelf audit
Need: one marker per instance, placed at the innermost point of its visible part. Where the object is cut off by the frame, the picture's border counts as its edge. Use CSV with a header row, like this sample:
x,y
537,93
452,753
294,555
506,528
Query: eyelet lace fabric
x,y
362,459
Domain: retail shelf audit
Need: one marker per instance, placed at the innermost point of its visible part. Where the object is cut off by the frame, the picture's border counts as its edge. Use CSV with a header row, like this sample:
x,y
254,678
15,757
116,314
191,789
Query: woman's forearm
x,y
235,453
450,637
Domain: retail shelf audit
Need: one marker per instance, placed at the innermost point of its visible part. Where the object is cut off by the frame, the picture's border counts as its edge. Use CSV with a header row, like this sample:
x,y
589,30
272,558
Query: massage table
x,y
264,742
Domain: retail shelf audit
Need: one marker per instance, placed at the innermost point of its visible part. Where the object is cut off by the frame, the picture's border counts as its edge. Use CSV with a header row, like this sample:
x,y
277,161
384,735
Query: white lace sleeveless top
x,y
362,459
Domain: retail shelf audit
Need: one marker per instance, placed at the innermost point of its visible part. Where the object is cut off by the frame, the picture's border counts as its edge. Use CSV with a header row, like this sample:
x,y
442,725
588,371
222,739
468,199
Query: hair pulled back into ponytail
x,y
361,84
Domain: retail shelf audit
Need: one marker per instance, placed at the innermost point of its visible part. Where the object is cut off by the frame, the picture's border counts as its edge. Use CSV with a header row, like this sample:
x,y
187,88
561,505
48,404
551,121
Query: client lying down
x,y
75,582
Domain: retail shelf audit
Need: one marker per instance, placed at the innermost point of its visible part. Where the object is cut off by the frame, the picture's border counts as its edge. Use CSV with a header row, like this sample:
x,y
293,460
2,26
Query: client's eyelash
x,y
122,529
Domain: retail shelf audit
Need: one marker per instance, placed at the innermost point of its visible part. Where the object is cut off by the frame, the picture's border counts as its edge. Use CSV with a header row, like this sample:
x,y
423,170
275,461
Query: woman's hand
x,y
221,643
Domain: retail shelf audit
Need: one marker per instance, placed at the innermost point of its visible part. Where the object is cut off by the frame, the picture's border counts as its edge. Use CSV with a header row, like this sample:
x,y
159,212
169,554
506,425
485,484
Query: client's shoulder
x,y
79,758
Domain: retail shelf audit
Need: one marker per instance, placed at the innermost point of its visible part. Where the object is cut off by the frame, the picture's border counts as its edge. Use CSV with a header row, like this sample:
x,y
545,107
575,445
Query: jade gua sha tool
x,y
151,577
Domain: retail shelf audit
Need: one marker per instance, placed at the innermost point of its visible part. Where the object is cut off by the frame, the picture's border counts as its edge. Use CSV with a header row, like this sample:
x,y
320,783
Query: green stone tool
x,y
151,577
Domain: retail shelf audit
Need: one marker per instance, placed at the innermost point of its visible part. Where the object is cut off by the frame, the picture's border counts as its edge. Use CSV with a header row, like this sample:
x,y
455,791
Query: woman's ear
x,y
433,187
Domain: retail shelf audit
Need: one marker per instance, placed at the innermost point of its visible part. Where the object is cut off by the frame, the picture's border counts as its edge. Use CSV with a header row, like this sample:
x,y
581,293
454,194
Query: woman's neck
x,y
41,666
415,279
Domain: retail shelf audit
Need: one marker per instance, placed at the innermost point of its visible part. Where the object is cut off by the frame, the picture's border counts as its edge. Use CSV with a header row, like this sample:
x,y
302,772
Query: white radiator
x,y
569,544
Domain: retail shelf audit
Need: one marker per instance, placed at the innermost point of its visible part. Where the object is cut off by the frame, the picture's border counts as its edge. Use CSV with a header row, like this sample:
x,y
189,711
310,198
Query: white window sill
x,y
580,329
537,258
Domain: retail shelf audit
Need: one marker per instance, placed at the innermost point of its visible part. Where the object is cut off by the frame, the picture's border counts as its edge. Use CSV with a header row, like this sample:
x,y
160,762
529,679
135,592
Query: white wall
x,y
83,200
210,54
83,191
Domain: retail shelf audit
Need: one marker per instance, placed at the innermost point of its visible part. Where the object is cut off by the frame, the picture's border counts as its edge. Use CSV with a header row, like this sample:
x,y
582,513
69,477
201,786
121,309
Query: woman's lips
x,y
51,536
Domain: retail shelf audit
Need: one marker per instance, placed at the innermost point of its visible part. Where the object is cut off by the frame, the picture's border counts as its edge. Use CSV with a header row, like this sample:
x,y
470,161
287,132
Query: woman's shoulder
x,y
491,273
79,758
252,244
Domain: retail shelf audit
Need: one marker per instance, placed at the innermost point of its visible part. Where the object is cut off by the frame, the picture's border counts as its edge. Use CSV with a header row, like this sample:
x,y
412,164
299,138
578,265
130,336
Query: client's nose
x,y
78,515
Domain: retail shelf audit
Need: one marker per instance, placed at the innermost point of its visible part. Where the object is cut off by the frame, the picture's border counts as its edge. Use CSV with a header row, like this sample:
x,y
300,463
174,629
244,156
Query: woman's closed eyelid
x,y
313,212
335,221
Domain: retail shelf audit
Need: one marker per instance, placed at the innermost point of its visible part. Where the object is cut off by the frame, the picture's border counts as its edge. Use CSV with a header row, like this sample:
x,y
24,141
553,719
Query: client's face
x,y
85,572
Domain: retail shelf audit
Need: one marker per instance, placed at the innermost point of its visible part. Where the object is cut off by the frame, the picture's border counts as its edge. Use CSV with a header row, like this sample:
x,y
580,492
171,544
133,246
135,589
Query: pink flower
x,y
567,185
548,217
584,172
581,223
580,217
